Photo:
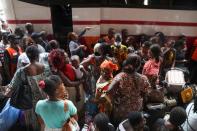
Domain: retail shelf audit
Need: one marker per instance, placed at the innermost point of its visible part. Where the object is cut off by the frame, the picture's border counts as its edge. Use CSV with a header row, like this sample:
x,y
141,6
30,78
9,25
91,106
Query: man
x,y
44,39
119,51
29,29
11,55
110,38
19,32
125,35
38,40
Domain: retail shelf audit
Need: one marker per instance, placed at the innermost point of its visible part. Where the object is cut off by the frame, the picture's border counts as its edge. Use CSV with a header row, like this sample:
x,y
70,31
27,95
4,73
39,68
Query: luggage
x,y
175,80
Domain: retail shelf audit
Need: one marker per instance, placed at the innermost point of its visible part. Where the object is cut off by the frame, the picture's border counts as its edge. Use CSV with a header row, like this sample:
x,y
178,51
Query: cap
x,y
36,35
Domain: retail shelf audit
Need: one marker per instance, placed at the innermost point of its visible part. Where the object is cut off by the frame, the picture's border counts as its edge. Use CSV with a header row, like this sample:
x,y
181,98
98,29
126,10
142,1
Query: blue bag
x,y
8,116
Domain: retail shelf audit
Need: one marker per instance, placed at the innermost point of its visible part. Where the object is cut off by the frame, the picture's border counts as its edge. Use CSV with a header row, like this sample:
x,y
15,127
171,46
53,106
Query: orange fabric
x,y
194,55
13,59
109,65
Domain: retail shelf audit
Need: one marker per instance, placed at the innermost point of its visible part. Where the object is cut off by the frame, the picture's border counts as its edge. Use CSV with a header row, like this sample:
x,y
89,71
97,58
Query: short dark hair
x,y
32,52
101,121
28,25
178,116
51,84
135,118
147,44
179,43
53,44
132,59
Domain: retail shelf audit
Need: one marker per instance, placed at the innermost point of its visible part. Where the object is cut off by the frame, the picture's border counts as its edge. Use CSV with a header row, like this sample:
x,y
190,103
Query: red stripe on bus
x,y
124,22
29,21
132,22
86,22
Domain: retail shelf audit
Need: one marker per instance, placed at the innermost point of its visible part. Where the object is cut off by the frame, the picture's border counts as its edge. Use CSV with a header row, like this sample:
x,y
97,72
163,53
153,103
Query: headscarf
x,y
107,64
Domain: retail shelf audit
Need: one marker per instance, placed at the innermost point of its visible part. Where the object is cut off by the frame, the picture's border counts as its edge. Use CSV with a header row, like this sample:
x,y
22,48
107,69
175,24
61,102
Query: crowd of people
x,y
43,87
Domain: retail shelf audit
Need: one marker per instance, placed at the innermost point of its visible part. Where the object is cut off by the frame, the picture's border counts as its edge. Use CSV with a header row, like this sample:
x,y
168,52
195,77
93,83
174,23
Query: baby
x,y
80,73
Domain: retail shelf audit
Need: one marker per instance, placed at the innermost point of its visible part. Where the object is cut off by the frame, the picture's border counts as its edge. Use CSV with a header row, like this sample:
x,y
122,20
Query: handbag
x,y
21,97
71,125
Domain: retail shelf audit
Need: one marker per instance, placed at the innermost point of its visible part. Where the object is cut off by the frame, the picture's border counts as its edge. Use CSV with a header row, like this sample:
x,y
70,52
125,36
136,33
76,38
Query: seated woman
x,y
53,112
102,85
152,66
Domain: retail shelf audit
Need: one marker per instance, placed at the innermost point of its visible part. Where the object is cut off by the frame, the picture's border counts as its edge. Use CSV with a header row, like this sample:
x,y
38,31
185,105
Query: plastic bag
x,y
8,116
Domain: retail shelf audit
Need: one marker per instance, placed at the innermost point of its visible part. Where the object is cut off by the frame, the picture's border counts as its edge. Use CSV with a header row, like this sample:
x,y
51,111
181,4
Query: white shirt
x,y
192,119
41,49
22,59
43,58
78,72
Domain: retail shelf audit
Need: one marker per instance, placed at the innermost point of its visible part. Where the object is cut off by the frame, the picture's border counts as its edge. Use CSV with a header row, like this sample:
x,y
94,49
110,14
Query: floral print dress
x,y
128,96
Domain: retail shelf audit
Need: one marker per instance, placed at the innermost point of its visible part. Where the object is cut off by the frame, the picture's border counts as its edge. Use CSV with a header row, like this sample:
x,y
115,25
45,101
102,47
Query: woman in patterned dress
x,y
127,89
33,72
102,85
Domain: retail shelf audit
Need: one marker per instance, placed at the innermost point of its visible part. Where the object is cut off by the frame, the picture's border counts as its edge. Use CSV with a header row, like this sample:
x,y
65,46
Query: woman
x,y
102,85
59,63
34,72
54,113
152,66
127,89
93,62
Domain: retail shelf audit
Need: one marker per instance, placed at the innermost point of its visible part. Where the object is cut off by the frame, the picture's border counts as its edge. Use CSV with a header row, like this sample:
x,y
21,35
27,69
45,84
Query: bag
x,y
72,125
8,116
21,97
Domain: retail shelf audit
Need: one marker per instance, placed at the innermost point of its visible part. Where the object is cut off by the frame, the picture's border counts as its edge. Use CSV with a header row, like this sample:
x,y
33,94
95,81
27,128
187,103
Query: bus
x,y
58,17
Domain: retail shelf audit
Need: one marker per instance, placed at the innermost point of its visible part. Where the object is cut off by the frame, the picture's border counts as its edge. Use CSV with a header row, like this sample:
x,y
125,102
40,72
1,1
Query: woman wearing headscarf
x,y
102,85
127,89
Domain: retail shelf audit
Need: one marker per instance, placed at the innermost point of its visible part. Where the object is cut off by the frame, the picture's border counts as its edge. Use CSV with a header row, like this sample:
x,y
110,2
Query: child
x,y
152,66
80,73
55,113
